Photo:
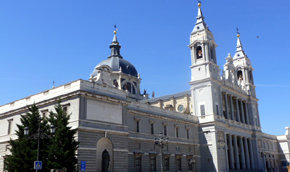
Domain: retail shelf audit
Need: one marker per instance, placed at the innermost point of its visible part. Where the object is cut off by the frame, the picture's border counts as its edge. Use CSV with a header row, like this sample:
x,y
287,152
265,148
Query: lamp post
x,y
39,134
161,141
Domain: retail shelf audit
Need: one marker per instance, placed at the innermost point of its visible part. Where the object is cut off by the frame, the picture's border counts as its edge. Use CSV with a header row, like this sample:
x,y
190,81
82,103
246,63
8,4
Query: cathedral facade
x,y
214,126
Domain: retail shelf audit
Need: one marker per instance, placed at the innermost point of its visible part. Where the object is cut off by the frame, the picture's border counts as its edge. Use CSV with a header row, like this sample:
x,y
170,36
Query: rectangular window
x,y
178,163
217,109
176,132
166,163
152,128
65,107
189,164
165,130
10,126
44,113
153,163
187,133
138,163
137,126
202,110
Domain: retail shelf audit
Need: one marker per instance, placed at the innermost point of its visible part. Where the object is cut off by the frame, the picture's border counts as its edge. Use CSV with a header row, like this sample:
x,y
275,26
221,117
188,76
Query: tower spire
x,y
115,47
200,23
239,49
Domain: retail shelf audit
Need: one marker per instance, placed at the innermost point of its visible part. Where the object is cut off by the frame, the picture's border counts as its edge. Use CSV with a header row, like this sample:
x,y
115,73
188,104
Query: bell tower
x,y
244,69
203,53
204,69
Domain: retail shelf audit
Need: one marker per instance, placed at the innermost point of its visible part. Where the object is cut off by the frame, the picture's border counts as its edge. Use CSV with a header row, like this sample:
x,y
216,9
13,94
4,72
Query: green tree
x,y
63,146
24,148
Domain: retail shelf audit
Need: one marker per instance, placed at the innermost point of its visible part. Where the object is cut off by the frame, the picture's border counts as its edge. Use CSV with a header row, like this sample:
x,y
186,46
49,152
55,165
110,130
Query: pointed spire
x,y
115,47
239,51
200,23
239,44
199,13
115,34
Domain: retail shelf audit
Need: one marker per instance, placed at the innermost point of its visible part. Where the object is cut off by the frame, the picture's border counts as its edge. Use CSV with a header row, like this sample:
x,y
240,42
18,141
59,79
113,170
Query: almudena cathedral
x,y
214,126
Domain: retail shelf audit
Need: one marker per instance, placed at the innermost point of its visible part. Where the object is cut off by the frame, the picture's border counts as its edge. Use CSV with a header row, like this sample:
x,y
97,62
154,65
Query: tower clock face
x,y
180,108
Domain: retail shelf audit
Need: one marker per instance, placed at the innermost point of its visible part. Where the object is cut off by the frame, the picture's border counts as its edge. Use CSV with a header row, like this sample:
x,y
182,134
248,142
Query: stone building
x,y
214,126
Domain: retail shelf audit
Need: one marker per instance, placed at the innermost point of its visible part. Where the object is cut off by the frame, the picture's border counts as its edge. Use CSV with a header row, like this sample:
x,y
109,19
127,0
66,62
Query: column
x,y
231,152
247,153
242,153
227,105
237,160
251,153
247,112
242,111
232,111
238,111
206,53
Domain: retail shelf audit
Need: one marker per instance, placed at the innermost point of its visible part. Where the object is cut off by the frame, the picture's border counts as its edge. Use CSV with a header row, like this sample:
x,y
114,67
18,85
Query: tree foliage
x,y
57,151
63,146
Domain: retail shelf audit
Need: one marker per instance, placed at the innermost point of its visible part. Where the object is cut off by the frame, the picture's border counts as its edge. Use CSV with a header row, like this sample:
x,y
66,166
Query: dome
x,y
117,64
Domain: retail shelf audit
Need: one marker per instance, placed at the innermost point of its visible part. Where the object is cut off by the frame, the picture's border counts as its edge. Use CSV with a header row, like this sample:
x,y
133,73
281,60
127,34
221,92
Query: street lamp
x,y
161,141
39,134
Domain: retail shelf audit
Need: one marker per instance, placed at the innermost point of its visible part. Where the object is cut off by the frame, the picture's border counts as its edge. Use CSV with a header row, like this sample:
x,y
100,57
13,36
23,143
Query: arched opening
x,y
115,83
240,75
212,54
104,155
251,77
129,87
105,161
198,52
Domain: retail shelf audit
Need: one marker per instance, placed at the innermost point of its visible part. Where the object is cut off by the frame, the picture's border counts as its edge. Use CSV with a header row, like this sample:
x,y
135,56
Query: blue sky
x,y
63,40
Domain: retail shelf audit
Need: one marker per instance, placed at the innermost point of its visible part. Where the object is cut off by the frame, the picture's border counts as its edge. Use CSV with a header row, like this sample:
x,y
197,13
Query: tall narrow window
x,y
166,163
138,163
189,164
202,110
176,132
152,128
9,126
240,75
137,126
178,163
153,163
187,133
198,52
217,109
165,130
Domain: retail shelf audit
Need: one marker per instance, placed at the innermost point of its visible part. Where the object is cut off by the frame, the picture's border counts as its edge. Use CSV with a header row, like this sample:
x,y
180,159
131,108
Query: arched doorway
x,y
105,161
104,156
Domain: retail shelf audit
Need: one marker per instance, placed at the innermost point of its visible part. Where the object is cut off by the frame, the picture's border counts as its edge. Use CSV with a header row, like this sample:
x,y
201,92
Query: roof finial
x,y
199,3
238,33
115,34
116,29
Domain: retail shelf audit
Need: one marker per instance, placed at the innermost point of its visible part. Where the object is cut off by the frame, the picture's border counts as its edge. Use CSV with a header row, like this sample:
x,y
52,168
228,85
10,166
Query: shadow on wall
x,y
206,160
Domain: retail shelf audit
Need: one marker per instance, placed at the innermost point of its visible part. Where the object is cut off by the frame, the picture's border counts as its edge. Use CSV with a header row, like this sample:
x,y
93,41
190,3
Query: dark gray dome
x,y
116,63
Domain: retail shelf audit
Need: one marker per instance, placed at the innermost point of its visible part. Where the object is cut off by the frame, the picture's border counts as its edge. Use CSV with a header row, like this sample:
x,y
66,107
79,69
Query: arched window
x,y
129,87
198,52
115,83
105,161
240,75
251,77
